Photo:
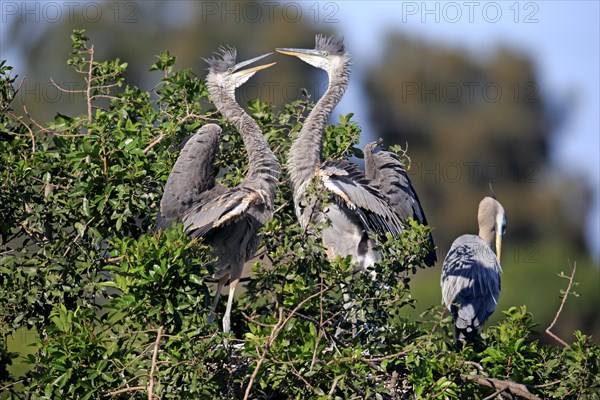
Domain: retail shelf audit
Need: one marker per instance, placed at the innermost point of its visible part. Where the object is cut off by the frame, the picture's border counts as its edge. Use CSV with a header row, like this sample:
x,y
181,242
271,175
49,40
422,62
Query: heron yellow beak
x,y
299,52
498,244
257,68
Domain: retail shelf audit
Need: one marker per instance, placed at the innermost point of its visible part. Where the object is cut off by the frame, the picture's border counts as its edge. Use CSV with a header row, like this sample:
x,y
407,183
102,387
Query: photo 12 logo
x,y
469,92
71,11
470,11
474,171
270,11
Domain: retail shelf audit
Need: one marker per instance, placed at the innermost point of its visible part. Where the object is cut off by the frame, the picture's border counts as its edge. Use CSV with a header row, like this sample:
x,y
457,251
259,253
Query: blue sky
x,y
561,36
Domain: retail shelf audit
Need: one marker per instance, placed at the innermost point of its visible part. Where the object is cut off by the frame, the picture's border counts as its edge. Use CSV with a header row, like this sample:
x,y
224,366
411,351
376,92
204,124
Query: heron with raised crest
x,y
227,218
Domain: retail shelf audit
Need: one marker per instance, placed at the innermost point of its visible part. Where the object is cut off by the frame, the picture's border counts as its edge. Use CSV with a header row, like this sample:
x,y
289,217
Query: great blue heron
x,y
359,204
228,218
471,272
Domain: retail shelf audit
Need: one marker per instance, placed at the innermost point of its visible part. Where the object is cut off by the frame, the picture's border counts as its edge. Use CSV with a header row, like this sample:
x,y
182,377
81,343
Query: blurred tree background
x,y
467,120
470,122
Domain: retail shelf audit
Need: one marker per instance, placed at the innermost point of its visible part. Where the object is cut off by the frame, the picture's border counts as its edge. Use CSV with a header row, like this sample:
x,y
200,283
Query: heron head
x,y
225,73
372,147
329,52
492,222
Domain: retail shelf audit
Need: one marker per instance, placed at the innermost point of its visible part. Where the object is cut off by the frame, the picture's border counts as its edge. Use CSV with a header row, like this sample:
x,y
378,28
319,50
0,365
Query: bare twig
x,y
125,390
31,134
274,334
88,89
254,320
39,126
56,85
502,386
496,393
281,207
562,303
314,356
546,384
153,367
142,353
333,386
41,129
262,358
68,250
154,143
478,366
11,385
299,376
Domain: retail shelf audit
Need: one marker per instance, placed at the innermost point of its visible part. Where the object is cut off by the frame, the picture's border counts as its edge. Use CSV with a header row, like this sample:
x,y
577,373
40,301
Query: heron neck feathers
x,y
263,166
306,152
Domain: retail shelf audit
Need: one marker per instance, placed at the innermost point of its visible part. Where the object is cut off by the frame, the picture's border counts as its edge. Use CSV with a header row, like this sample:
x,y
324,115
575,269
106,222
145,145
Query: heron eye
x,y
229,70
325,54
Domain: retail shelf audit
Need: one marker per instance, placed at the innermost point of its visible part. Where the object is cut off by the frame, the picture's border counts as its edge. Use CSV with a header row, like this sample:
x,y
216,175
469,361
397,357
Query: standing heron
x,y
359,204
471,272
228,218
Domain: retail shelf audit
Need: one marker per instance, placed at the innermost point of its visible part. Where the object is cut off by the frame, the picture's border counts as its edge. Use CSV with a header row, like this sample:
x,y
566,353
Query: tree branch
x,y
496,393
154,142
274,334
153,367
562,303
88,89
125,390
501,386
113,260
31,134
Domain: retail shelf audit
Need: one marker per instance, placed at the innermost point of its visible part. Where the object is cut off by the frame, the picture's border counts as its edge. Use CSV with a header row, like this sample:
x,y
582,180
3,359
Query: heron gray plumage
x,y
385,172
359,205
471,272
228,218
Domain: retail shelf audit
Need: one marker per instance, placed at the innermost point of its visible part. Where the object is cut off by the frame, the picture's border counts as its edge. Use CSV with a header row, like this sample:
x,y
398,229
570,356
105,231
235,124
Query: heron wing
x,y
470,281
192,175
384,170
350,189
228,207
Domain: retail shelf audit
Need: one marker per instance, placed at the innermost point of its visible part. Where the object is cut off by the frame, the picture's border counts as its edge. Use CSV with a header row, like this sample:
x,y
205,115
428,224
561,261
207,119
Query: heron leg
x,y
220,284
227,316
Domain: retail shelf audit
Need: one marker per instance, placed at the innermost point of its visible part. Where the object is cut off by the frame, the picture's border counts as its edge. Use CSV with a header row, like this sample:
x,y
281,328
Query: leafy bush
x,y
120,311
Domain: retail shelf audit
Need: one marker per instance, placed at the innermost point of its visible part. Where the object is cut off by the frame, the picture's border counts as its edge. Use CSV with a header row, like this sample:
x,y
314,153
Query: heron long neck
x,y
262,163
306,151
487,234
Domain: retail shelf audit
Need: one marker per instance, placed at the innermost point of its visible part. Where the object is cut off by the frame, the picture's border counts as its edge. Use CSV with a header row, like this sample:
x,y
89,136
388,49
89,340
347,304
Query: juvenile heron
x,y
358,204
471,272
228,218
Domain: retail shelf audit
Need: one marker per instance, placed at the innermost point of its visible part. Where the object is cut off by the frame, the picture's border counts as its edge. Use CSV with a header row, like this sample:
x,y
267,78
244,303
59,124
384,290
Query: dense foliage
x,y
120,311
